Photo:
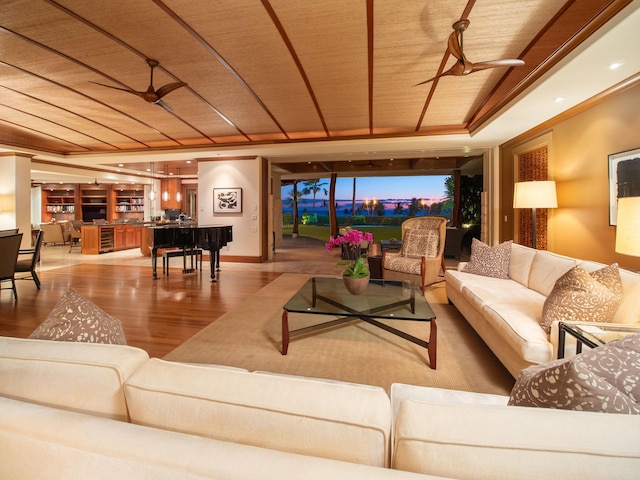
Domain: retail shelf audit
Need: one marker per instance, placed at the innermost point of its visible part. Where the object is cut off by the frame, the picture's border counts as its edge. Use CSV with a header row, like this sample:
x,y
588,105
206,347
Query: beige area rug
x,y
250,337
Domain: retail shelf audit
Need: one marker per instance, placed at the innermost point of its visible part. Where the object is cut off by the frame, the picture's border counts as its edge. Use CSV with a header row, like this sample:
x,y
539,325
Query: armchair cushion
x,y
398,263
418,243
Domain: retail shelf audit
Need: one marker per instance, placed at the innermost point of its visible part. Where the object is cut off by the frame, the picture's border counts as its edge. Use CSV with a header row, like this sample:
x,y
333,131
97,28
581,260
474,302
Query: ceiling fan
x,y
152,95
464,66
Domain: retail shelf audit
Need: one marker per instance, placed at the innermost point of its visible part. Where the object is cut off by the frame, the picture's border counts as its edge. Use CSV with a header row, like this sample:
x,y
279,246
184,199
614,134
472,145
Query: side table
x,y
592,334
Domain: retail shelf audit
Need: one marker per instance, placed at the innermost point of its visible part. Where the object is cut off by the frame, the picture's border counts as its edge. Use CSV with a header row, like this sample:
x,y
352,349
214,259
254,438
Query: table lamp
x,y
536,194
628,229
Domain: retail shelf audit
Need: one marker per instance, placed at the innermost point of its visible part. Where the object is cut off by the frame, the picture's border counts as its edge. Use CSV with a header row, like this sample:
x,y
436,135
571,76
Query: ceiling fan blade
x,y
164,105
168,88
506,62
443,74
115,88
454,46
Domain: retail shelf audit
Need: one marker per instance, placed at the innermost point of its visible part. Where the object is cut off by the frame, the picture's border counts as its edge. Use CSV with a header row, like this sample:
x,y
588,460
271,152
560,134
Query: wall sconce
x,y
628,229
536,194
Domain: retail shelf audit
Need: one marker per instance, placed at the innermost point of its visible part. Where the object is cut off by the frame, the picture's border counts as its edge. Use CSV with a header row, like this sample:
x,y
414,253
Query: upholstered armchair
x,y
422,254
54,233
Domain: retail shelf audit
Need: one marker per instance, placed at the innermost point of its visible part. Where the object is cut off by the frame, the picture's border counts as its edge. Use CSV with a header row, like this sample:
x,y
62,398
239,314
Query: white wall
x,y
230,173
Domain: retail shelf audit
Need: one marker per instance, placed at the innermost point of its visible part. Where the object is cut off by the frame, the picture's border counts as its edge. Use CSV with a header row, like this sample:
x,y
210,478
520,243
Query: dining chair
x,y
9,248
11,231
28,265
76,234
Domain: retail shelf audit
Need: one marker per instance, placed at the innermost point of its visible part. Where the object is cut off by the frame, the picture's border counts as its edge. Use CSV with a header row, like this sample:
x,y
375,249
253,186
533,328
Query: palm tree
x,y
448,199
314,186
414,207
353,198
293,201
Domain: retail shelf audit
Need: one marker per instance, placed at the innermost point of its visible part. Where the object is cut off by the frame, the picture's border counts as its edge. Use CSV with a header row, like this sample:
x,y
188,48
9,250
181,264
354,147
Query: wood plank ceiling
x,y
266,71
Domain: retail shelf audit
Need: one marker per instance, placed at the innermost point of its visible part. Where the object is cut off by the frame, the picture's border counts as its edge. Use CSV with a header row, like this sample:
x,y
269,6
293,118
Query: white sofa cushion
x,y
44,443
84,377
546,268
294,414
629,310
489,442
520,263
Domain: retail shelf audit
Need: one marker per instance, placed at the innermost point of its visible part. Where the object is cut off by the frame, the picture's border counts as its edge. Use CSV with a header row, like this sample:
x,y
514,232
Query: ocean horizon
x,y
343,207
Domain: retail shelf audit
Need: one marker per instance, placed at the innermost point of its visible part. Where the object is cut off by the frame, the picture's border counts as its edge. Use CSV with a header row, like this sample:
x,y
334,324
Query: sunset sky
x,y
368,188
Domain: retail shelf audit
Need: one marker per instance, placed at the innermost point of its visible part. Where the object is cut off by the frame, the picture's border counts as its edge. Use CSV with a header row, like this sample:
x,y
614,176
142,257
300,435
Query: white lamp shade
x,y
628,229
538,194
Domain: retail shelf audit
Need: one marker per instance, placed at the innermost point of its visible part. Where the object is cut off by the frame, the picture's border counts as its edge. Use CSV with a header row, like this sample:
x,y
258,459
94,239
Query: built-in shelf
x,y
128,202
58,202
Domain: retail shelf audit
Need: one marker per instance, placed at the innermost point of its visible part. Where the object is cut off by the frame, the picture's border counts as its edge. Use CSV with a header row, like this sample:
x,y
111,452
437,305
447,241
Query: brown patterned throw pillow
x,y
489,261
605,379
584,297
76,319
418,243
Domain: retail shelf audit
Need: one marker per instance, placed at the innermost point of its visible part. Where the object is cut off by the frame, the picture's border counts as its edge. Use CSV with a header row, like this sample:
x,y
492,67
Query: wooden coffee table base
x,y
431,345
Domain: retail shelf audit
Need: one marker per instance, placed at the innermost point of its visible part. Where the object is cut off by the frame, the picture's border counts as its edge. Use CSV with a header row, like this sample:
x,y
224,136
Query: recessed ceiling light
x,y
559,99
615,65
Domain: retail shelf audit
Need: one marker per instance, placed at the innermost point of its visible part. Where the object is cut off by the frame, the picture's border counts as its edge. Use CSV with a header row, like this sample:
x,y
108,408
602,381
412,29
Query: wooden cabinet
x,y
58,202
128,202
107,238
169,197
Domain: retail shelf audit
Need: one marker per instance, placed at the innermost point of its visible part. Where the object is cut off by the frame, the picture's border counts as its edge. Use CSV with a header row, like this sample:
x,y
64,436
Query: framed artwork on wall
x,y
624,179
227,200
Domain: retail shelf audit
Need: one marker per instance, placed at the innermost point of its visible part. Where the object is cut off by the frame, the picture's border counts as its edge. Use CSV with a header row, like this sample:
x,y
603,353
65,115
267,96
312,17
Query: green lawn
x,y
321,232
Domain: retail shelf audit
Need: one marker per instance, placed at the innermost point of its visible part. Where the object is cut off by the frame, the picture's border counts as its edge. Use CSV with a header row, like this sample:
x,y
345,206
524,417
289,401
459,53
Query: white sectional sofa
x,y
506,313
77,410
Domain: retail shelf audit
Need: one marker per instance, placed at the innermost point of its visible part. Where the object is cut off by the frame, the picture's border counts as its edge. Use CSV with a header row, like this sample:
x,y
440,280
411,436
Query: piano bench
x,y
167,254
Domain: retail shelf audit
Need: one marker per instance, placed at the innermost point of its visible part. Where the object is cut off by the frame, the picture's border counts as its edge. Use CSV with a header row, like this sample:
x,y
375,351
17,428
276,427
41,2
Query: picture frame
x,y
227,200
624,179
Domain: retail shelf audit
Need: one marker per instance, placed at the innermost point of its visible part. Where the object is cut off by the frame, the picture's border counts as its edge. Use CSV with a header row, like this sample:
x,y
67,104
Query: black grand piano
x,y
188,237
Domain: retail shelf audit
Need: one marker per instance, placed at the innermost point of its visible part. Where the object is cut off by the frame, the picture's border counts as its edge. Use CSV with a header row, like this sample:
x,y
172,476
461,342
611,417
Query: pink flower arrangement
x,y
351,237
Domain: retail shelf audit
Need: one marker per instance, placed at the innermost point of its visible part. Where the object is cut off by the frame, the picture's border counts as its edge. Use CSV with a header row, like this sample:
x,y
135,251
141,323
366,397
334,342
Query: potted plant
x,y
356,276
353,243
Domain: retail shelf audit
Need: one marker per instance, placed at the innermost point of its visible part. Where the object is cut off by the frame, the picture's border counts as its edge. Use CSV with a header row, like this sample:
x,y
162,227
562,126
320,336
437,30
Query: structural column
x,y
15,194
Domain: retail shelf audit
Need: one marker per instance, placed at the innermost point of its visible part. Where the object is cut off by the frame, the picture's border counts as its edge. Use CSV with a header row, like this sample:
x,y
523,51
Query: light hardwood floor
x,y
157,315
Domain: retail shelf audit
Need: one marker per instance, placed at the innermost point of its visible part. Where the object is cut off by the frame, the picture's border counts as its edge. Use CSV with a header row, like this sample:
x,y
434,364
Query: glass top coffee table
x,y
382,300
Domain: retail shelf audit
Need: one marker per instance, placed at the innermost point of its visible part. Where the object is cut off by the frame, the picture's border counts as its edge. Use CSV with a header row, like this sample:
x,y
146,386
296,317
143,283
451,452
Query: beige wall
x,y
579,147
